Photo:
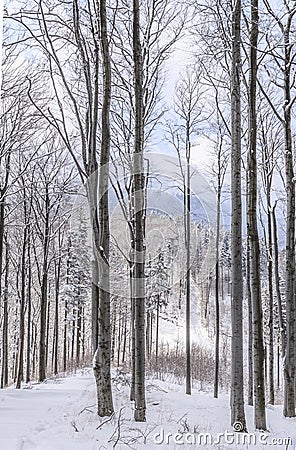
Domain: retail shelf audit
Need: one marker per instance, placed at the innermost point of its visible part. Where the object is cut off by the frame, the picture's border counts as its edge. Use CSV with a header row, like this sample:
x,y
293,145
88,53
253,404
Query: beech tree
x,y
270,141
161,26
89,41
219,169
252,227
102,365
18,125
139,220
282,77
237,391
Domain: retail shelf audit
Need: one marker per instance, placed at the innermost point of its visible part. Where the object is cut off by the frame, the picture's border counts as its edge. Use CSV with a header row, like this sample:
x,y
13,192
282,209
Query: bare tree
x,y
139,220
83,38
252,227
190,113
237,392
283,78
161,26
270,140
102,365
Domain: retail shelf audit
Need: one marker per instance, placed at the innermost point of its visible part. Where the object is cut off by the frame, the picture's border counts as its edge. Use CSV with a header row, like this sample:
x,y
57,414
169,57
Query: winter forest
x,y
147,224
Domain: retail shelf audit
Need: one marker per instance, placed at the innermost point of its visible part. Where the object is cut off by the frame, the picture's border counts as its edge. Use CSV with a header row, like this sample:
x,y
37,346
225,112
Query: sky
x,y
180,58
175,66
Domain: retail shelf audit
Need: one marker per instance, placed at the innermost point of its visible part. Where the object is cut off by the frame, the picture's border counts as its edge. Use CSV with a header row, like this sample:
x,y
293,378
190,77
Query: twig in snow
x,y
118,427
157,388
105,421
181,417
87,409
74,426
148,430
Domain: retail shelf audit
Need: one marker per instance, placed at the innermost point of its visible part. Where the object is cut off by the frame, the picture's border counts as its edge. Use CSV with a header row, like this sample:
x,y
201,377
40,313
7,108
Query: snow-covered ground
x,y
61,415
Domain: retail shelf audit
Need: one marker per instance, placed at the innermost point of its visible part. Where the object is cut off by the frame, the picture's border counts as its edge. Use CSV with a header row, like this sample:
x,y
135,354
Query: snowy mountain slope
x,y
60,415
173,322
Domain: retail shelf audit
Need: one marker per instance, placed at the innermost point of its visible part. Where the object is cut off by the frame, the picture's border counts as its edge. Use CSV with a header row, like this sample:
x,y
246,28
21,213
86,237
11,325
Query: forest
x,y
147,203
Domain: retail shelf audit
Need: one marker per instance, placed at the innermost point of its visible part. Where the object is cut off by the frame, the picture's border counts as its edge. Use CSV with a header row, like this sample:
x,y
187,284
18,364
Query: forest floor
x,y
60,414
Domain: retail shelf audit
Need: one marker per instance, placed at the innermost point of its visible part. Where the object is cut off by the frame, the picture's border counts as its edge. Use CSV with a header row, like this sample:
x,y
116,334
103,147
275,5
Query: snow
x,y
60,414
172,331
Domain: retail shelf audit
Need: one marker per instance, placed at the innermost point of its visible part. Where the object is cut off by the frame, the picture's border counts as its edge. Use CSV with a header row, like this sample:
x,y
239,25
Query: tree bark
x,y
252,228
78,333
289,361
44,287
237,378
124,336
220,176
157,332
132,331
139,221
102,360
271,309
282,324
188,269
65,331
29,306
2,211
56,317
148,331
267,176
250,330
4,371
20,369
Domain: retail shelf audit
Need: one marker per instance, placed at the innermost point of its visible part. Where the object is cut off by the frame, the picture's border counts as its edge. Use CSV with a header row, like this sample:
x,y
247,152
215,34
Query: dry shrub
x,y
171,365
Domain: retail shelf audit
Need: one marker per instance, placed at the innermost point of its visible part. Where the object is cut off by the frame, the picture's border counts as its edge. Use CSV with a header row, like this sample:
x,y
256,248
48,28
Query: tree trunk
x,y
157,332
4,371
282,324
83,333
29,306
34,353
133,345
56,317
120,320
217,277
237,377
74,315
267,175
124,337
113,341
20,369
102,366
252,228
47,330
188,270
278,368
139,221
65,336
289,361
148,331
44,287
270,321
2,210
250,330
78,335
